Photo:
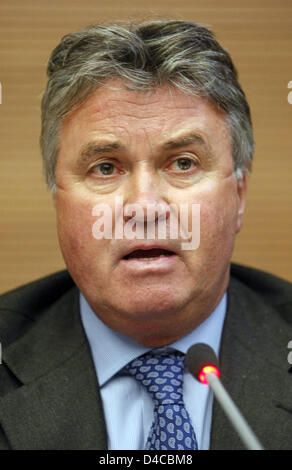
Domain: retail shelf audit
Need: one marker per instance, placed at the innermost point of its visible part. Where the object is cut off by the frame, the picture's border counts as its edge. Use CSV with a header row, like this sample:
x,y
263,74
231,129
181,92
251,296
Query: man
x,y
141,125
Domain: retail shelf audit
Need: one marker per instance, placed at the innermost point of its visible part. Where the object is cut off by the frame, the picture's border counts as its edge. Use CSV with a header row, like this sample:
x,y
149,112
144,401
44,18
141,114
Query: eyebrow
x,y
94,148
192,138
91,150
183,141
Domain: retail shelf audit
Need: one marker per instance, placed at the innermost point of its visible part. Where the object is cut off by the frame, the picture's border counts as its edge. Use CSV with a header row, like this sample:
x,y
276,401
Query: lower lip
x,y
158,264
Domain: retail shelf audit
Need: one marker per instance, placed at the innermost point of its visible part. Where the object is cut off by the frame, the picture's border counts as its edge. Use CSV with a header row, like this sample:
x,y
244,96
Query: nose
x,y
144,200
146,209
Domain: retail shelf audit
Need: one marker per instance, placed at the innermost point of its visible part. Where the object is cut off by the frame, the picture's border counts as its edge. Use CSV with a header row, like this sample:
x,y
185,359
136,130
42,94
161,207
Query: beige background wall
x,y
257,33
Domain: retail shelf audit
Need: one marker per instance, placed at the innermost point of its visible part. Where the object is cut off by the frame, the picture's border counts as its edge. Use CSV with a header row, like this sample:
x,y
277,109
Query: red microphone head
x,y
208,370
202,360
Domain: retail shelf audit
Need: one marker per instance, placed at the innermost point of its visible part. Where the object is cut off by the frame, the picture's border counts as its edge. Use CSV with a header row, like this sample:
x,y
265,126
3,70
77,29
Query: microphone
x,y
202,363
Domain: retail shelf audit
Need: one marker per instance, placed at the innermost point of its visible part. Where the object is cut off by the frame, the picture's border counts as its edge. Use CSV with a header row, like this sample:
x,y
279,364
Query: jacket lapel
x,y
59,400
254,370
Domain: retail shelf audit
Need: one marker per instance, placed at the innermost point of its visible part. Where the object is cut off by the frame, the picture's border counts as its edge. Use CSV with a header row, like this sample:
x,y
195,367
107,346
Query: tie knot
x,y
161,374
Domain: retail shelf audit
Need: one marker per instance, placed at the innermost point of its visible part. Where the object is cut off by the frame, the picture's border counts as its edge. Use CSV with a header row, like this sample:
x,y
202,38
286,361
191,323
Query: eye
x,y
183,164
105,168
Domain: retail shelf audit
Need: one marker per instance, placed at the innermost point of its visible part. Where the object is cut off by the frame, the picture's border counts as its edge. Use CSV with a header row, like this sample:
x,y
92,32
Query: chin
x,y
151,306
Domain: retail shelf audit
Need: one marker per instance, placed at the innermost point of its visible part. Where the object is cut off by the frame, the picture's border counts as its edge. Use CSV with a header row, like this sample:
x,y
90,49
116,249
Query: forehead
x,y
164,109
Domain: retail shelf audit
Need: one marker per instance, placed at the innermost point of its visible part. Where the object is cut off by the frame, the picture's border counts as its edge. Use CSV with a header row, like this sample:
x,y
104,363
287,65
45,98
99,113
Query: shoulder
x,y
37,295
262,287
23,306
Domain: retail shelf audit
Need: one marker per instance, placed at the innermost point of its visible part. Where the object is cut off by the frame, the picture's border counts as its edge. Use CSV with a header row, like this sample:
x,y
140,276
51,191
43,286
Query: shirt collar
x,y
111,351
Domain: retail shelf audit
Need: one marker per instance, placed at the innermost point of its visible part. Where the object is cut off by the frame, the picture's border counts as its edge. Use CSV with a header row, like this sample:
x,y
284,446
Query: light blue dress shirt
x,y
127,405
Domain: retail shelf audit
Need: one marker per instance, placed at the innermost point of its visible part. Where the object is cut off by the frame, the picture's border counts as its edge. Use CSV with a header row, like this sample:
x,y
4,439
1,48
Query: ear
x,y
54,199
241,194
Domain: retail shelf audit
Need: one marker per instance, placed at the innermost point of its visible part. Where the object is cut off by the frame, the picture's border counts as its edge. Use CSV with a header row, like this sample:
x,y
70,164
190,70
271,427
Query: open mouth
x,y
152,254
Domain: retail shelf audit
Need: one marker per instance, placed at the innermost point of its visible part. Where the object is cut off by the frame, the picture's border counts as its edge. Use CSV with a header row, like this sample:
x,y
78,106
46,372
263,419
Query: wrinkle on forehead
x,y
140,103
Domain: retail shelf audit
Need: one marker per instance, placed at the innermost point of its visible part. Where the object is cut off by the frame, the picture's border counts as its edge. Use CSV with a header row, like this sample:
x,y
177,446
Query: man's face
x,y
154,148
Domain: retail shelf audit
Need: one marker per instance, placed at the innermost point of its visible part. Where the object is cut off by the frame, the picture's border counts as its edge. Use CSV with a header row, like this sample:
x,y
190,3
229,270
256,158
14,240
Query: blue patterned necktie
x,y
162,376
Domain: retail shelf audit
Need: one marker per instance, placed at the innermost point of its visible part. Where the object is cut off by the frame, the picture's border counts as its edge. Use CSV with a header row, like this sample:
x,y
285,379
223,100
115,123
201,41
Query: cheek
x,y
215,227
74,225
218,217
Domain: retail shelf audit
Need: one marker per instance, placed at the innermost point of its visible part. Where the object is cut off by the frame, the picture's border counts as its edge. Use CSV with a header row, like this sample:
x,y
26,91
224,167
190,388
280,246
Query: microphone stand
x,y
237,420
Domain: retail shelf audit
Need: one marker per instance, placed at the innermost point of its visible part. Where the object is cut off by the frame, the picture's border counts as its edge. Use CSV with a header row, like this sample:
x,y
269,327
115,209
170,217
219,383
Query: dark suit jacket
x,y
49,391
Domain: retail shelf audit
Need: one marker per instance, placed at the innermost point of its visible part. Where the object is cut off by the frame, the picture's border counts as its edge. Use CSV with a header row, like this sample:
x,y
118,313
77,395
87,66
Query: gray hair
x,y
182,54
